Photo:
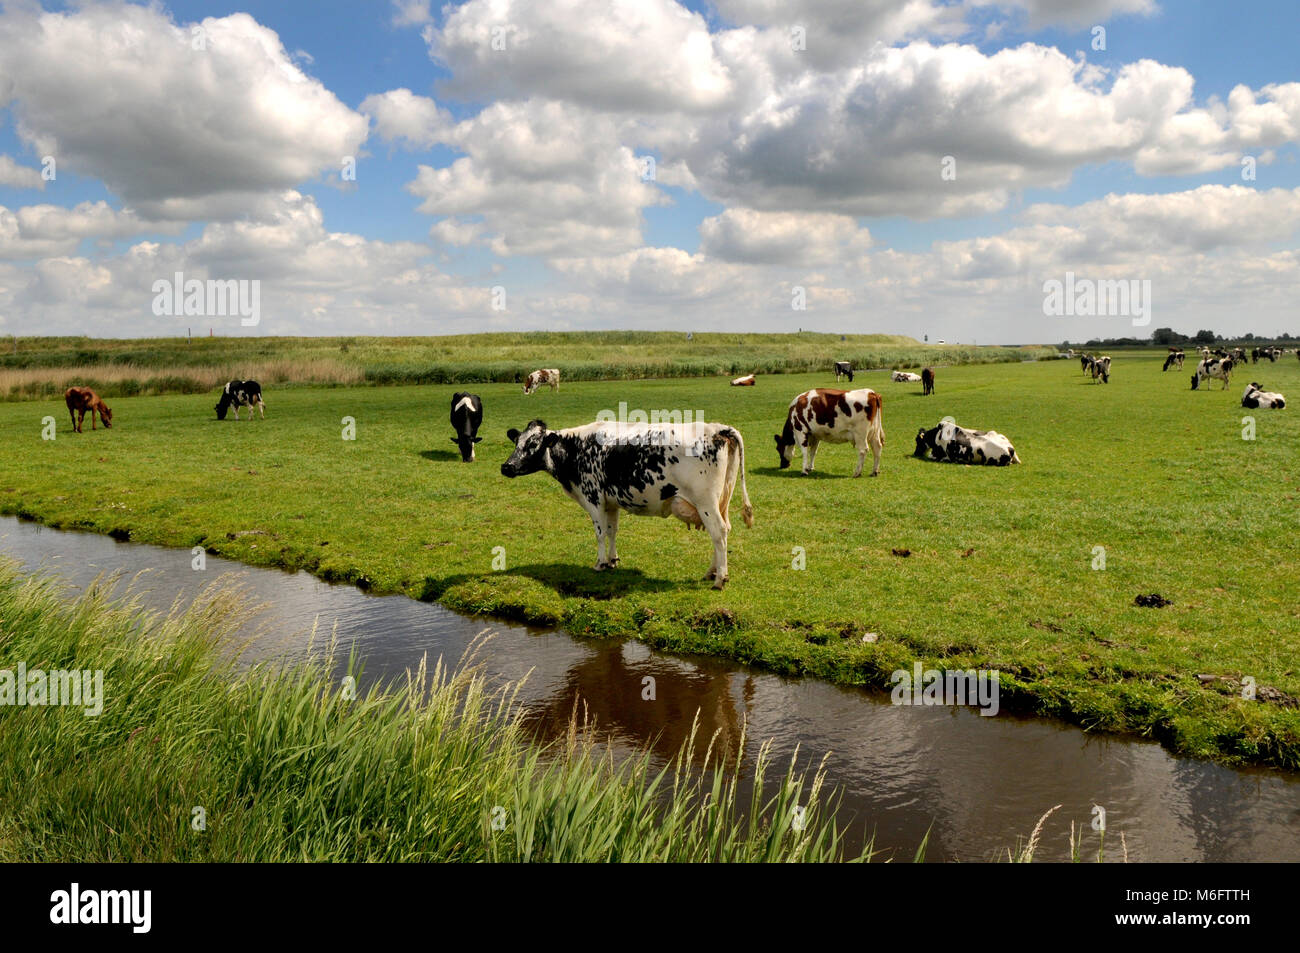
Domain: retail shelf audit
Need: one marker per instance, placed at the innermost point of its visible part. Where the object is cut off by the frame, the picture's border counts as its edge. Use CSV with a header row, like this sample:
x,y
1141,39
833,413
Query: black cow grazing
x,y
927,381
1213,367
657,469
466,416
1255,397
843,369
241,394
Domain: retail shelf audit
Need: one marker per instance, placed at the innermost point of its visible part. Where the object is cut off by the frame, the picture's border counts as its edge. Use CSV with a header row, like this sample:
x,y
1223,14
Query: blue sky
x,y
777,169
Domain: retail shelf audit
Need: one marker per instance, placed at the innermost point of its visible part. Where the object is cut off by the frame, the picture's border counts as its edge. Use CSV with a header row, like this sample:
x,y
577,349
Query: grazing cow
x,y
835,416
238,394
466,416
546,375
927,381
1175,359
688,470
1254,397
1085,363
746,381
843,369
82,399
1101,370
903,377
959,445
1212,367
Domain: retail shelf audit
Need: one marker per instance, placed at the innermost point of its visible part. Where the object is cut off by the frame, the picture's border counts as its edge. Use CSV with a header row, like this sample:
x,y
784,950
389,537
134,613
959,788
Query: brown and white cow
x,y
546,375
746,381
835,416
904,377
82,399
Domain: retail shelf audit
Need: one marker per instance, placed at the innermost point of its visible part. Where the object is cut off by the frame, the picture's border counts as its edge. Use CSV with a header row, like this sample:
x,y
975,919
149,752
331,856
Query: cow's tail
x,y
736,461
876,425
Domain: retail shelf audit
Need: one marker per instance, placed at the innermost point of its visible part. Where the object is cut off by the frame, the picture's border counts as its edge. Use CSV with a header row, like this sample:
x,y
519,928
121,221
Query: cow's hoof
x,y
600,567
719,582
613,563
711,574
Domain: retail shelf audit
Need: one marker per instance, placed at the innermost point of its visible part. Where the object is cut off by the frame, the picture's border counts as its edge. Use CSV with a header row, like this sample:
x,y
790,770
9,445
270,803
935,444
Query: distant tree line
x,y
1163,337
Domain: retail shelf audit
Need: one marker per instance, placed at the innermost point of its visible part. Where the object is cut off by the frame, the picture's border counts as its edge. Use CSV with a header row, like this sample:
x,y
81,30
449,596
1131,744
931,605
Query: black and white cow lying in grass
x,y
466,417
241,394
904,377
1220,367
1254,397
688,470
835,416
949,442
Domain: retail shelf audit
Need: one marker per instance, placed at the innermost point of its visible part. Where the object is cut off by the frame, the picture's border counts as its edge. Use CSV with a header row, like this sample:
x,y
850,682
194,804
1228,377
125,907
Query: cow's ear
x,y
552,438
477,439
455,439
512,435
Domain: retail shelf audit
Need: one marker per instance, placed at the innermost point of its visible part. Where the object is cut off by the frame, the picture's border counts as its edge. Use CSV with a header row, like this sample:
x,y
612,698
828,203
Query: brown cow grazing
x,y
927,381
82,399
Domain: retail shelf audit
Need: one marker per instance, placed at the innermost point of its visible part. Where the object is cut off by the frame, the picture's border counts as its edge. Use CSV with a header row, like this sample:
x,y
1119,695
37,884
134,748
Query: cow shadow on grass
x,y
568,579
795,473
443,455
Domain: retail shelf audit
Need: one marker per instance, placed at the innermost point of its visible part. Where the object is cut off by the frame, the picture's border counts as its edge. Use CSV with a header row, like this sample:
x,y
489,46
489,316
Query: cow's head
x,y
223,405
925,441
105,414
1196,379
531,448
785,444
466,445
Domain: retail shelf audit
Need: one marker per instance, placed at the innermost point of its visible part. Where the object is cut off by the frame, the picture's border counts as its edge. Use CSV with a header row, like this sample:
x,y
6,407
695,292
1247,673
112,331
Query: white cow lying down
x,y
959,445
902,377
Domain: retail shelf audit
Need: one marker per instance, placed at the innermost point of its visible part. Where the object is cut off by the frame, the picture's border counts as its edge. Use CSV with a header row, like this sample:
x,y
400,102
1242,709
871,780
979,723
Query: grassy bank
x,y
45,367
283,766
994,567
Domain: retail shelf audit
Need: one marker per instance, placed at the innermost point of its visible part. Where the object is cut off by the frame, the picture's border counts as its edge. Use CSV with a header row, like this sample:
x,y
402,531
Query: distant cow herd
x,y
689,470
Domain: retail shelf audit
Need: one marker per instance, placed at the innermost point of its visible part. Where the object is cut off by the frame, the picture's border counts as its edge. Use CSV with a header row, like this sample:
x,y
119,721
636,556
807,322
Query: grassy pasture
x,y
999,574
45,367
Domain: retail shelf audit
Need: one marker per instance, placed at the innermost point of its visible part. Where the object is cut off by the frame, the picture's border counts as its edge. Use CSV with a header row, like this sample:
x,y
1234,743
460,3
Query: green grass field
x,y
131,367
1000,573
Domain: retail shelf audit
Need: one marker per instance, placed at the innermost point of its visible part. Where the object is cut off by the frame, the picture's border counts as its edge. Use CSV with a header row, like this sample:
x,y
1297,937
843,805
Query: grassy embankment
x,y
1000,573
284,767
45,367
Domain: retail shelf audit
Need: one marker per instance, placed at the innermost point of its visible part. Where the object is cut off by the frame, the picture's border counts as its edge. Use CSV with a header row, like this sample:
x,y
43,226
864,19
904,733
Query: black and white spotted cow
x,y
1175,359
843,369
835,416
948,442
1101,370
687,470
466,417
238,394
904,377
1085,362
1219,367
1255,397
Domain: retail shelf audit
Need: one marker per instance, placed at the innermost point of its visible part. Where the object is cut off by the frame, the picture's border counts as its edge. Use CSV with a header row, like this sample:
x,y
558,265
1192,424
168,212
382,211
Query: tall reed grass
x,y
281,765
